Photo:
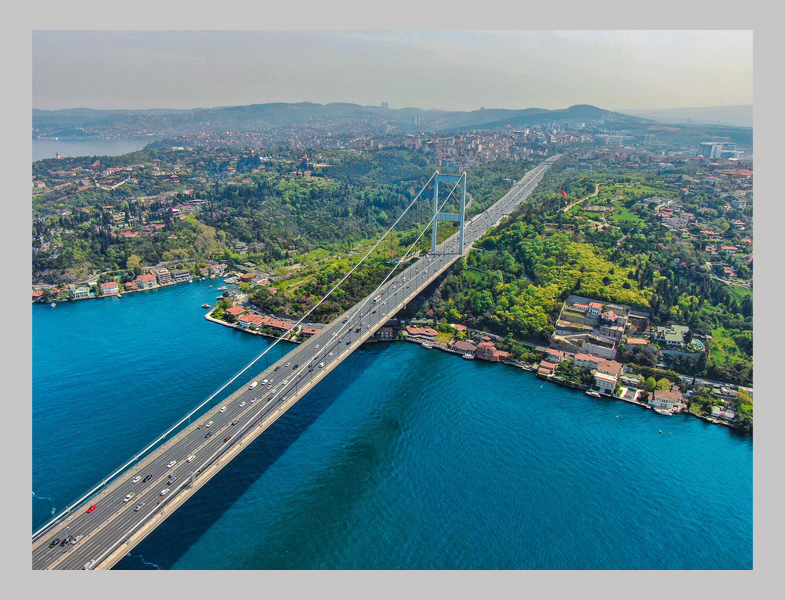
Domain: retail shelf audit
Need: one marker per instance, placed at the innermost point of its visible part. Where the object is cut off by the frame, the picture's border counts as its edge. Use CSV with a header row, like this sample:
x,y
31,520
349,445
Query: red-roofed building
x,y
546,368
587,361
554,356
109,288
145,282
310,332
246,321
595,308
235,311
385,333
487,351
278,324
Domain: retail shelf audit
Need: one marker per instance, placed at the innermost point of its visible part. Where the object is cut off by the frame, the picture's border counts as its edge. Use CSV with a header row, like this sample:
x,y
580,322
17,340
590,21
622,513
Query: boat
x,y
53,304
593,394
219,297
205,305
222,288
663,412
468,357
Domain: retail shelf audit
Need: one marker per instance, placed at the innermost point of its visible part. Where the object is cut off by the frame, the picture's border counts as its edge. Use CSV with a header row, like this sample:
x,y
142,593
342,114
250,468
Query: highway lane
x,y
109,526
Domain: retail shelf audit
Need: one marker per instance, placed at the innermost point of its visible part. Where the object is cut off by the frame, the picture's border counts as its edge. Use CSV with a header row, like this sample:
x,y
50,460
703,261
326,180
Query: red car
x,y
227,438
91,509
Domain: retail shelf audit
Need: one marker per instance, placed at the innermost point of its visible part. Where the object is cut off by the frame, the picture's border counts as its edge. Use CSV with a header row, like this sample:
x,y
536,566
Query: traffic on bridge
x,y
103,528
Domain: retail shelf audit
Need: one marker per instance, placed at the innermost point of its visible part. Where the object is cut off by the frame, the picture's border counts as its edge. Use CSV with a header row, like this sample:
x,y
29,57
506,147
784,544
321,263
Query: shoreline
x,y
584,388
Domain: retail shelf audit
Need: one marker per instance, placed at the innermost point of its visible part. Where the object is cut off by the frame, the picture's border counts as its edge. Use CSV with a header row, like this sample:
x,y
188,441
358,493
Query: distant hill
x,y
734,116
282,120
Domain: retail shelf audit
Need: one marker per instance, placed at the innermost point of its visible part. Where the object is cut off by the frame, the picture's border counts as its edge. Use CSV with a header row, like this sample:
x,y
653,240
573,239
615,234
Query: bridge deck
x,y
117,525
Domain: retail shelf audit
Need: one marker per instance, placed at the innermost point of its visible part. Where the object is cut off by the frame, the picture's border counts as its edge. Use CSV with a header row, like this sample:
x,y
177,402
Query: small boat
x,y
205,305
468,357
219,297
593,394
53,304
223,287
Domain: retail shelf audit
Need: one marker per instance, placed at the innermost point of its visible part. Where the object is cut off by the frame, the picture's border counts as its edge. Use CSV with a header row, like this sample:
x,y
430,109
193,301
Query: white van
x,y
253,385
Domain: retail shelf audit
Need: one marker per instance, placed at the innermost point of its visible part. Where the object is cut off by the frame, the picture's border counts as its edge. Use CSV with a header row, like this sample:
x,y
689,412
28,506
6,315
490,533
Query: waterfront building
x,y
145,282
181,275
665,400
162,274
109,288
464,347
80,291
487,351
246,321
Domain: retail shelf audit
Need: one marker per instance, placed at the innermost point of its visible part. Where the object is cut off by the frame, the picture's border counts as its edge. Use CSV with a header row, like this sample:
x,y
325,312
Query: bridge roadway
x,y
115,525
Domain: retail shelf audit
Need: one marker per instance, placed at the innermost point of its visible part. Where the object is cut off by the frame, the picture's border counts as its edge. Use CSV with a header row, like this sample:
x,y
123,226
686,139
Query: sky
x,y
439,69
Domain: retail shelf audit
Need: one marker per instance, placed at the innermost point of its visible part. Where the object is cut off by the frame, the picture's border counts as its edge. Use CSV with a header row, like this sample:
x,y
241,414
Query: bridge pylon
x,y
455,217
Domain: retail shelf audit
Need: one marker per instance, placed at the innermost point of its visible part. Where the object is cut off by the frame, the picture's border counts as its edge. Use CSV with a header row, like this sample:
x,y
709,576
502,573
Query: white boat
x,y
593,394
468,357
222,288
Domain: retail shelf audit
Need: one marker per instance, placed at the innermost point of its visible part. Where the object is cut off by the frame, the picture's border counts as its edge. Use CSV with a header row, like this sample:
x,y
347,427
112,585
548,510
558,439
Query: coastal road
x,y
143,496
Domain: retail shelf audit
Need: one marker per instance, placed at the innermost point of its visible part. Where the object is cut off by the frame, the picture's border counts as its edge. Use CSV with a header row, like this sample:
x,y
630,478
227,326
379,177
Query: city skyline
x,y
443,70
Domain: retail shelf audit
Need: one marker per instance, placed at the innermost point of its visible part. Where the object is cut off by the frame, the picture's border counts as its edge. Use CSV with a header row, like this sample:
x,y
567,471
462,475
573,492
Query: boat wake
x,y
54,509
149,563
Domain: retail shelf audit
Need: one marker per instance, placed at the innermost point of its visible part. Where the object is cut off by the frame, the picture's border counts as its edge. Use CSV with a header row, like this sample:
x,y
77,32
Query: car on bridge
x,y
164,491
92,508
128,497
139,507
54,542
227,438
147,478
171,464
136,479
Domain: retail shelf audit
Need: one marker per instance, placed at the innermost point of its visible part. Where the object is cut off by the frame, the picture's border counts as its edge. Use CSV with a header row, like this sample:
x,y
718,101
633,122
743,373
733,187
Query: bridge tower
x,y
440,216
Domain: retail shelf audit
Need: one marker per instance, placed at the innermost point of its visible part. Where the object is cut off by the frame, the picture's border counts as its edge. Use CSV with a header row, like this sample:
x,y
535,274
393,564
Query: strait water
x,y
48,148
402,458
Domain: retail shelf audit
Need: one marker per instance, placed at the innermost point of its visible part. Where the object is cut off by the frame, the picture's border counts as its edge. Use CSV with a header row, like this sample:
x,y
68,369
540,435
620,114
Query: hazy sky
x,y
450,70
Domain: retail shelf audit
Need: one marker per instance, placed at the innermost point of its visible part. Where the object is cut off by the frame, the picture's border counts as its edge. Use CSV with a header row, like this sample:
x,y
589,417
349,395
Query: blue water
x,y
402,458
48,148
